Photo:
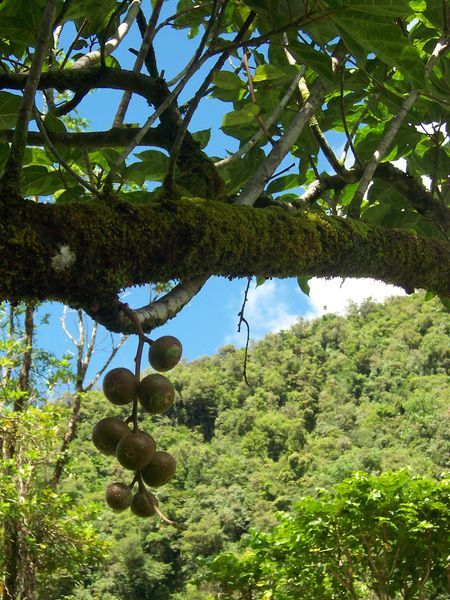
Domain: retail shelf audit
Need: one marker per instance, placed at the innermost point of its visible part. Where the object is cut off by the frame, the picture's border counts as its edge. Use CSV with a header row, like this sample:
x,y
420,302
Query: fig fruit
x,y
165,353
118,496
156,393
159,470
143,504
135,450
120,386
107,433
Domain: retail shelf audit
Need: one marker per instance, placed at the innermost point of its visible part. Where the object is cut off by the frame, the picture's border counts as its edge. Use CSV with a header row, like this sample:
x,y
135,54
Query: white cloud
x,y
334,295
267,311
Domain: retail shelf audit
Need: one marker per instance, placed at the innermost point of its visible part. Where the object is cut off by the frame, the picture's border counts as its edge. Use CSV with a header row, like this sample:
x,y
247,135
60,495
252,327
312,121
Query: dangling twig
x,y
242,319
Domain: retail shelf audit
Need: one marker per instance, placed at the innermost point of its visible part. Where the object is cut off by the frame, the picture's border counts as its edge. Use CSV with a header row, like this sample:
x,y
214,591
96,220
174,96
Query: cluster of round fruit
x,y
136,449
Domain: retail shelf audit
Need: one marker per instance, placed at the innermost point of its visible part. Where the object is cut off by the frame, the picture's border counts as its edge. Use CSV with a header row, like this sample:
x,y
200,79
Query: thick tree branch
x,y
414,192
89,79
116,137
83,254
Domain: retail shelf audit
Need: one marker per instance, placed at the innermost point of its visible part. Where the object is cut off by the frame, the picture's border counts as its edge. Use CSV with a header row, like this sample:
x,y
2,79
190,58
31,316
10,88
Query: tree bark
x,y
83,254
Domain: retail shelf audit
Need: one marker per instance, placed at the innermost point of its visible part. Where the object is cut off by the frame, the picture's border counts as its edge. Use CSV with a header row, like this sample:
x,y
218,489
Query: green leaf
x,y
241,123
38,181
260,280
319,62
155,164
303,284
228,81
270,72
9,106
379,35
202,137
388,8
285,182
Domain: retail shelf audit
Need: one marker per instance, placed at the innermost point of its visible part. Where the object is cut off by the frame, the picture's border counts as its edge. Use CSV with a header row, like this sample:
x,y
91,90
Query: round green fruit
x,y
143,504
156,394
160,469
165,353
135,450
107,433
118,496
120,386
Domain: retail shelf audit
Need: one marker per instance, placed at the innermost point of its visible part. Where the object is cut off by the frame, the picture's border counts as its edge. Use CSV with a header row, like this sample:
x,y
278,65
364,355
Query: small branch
x,y
43,131
349,136
100,372
143,51
67,107
268,124
72,45
391,132
253,97
313,123
257,182
196,100
93,58
13,168
157,312
357,124
213,24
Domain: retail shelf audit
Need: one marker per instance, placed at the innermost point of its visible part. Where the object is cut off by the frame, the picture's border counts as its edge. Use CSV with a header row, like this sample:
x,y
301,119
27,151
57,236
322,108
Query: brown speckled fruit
x,y
165,353
120,386
118,496
135,450
143,504
160,469
156,394
107,433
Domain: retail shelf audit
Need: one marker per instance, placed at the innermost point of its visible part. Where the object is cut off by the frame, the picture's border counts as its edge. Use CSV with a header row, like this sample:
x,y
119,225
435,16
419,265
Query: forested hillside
x,y
368,392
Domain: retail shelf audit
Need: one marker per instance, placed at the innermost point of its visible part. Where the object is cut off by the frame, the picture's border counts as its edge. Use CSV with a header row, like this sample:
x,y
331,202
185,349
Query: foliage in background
x,y
367,392
381,537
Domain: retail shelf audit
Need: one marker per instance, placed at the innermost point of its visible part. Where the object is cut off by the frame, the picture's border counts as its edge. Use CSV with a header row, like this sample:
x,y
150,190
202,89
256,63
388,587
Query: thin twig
x,y
196,100
344,119
43,131
145,46
242,319
72,45
253,97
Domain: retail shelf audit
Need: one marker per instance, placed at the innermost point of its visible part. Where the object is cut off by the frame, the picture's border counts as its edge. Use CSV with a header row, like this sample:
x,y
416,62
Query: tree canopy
x,y
336,112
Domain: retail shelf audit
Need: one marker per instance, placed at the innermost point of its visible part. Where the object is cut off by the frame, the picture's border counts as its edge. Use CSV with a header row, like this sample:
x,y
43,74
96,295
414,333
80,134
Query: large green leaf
x,y
317,61
9,106
38,181
380,35
20,20
388,8
154,164
242,123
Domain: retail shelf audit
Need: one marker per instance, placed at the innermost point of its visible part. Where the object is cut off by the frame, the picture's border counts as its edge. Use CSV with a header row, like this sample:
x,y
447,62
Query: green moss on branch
x,y
114,246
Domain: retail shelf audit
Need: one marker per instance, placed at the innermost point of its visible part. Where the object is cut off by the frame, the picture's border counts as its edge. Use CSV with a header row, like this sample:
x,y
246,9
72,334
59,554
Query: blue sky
x,y
210,320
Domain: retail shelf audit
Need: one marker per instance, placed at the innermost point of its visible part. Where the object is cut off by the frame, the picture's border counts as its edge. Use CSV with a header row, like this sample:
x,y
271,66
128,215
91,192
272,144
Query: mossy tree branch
x,y
84,254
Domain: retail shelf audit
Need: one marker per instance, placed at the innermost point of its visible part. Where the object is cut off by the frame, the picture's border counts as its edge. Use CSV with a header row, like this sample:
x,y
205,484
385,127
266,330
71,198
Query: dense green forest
x,y
367,392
